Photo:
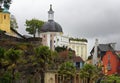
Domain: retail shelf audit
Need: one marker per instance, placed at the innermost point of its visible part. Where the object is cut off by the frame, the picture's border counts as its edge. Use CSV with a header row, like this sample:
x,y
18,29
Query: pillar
x,y
56,78
75,79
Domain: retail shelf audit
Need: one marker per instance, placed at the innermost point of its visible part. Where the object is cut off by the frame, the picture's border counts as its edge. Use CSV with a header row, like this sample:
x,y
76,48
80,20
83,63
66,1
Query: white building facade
x,y
61,40
52,36
80,47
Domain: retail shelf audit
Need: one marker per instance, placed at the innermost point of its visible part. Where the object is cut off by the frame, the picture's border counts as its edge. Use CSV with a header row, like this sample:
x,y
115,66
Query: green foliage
x,y
60,49
89,71
2,51
118,55
8,63
14,65
1,31
6,3
6,77
78,39
67,69
43,59
27,48
13,55
89,57
33,26
111,79
43,52
70,54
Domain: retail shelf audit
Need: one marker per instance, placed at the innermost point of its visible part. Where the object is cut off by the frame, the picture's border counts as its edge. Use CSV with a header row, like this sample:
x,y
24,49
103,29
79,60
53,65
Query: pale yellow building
x,y
54,77
80,47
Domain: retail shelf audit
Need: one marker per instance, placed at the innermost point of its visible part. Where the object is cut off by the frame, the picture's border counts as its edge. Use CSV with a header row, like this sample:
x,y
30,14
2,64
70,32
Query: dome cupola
x,y
51,25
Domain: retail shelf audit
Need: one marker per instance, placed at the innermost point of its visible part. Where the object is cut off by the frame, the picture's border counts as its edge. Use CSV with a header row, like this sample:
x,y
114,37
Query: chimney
x,y
95,55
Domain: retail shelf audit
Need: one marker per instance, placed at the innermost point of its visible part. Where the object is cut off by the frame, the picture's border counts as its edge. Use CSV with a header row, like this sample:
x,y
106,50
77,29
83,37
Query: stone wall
x,y
36,41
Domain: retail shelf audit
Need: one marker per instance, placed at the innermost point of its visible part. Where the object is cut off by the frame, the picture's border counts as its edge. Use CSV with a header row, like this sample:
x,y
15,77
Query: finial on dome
x,y
50,13
50,7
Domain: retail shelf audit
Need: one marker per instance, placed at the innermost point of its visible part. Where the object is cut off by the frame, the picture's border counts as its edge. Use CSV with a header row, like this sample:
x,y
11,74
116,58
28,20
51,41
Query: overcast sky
x,y
88,19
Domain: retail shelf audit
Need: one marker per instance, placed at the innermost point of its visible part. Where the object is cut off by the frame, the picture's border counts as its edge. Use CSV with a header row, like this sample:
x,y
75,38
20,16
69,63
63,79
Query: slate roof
x,y
51,26
77,59
105,47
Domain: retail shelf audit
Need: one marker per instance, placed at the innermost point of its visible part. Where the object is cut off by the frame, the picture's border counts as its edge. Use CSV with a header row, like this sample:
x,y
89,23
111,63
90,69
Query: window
x,y
44,36
109,65
77,50
77,64
108,57
57,39
4,16
81,64
82,51
50,44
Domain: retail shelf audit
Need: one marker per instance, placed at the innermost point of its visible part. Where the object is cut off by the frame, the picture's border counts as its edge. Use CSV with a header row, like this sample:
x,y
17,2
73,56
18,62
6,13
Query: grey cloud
x,y
79,18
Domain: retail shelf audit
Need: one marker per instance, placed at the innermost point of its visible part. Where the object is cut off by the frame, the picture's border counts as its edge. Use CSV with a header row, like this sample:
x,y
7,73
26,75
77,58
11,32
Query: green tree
x,y
5,75
33,26
68,70
5,3
43,58
60,49
13,57
2,51
90,72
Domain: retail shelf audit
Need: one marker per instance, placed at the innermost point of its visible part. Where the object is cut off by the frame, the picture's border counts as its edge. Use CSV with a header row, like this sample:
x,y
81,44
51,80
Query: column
x,y
75,79
56,78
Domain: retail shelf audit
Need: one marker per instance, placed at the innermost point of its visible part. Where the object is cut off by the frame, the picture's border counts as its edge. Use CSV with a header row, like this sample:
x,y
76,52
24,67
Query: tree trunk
x,y
34,35
13,76
88,81
42,77
34,32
